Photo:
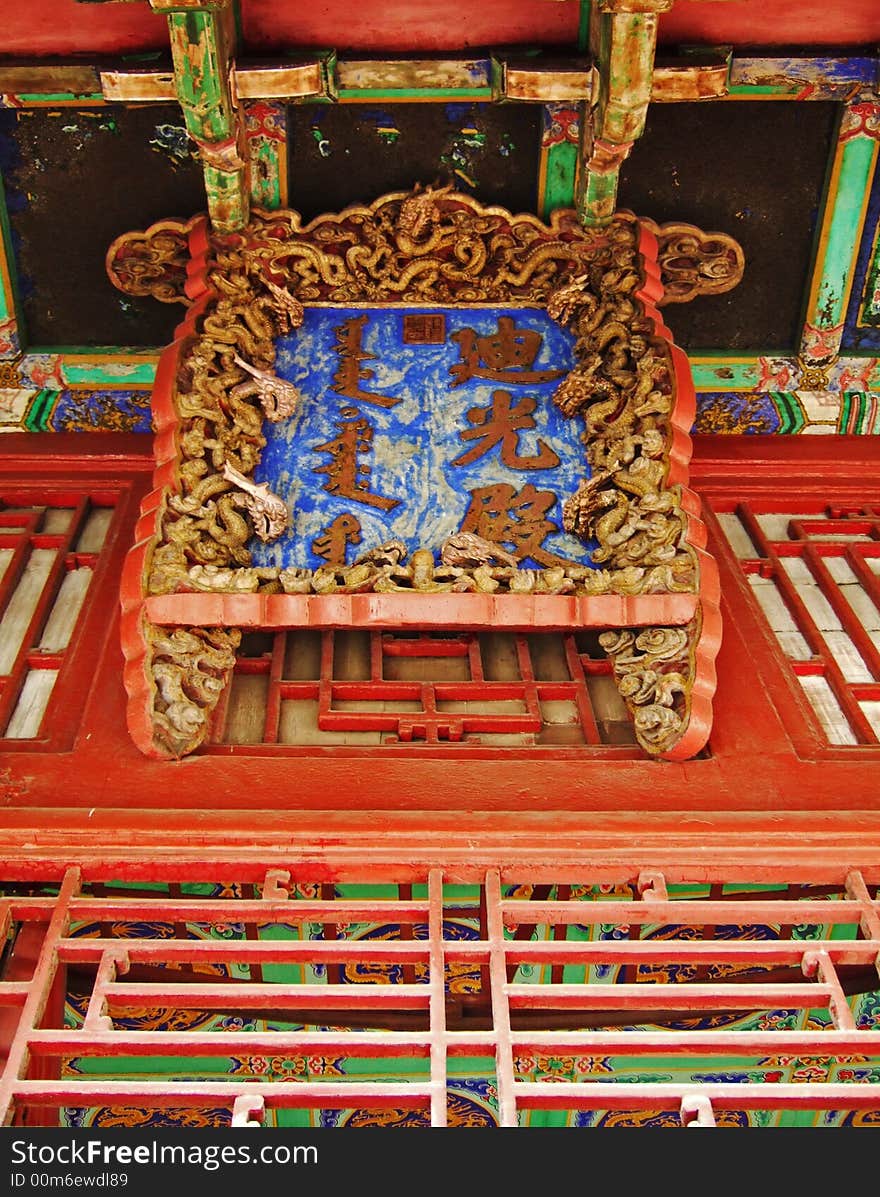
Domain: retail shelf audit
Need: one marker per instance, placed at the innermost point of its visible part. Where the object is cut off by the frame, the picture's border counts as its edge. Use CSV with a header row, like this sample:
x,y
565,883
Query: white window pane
x,y
737,537
840,570
57,520
872,714
775,526
863,606
847,657
22,605
826,706
794,646
772,604
93,535
62,619
31,705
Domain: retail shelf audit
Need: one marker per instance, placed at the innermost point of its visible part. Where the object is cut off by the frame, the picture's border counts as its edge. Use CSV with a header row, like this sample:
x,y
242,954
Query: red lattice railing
x,y
52,545
489,689
816,576
569,994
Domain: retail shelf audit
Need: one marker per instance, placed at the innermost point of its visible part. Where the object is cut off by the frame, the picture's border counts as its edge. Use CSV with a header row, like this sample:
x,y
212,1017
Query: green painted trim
x,y
846,411
835,270
39,98
791,414
201,91
236,21
751,91
560,174
584,20
409,93
547,1118
629,67
86,368
119,377
265,184
859,414
38,417
9,300
869,312
717,374
227,197
598,199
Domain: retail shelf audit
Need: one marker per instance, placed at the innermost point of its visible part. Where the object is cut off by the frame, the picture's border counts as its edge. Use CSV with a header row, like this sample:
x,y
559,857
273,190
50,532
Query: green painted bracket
x,y
623,42
843,223
201,38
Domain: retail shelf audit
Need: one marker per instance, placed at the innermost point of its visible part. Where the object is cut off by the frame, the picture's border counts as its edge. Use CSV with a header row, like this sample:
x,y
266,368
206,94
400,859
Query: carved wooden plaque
x,y
423,413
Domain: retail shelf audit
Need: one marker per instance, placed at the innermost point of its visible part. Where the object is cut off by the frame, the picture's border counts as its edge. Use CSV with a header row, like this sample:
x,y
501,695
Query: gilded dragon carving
x,y
190,667
428,246
152,263
401,248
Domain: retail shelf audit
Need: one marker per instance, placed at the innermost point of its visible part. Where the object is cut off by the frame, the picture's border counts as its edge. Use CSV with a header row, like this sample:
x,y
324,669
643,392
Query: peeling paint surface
x,y
105,411
412,446
73,180
862,326
341,154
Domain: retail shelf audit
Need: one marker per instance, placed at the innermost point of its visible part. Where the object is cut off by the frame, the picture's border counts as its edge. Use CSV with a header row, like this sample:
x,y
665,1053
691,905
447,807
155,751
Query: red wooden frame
x,y
422,798
374,610
408,1014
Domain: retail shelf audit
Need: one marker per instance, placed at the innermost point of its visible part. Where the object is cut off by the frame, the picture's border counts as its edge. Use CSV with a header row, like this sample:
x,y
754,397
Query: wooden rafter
x,y
202,37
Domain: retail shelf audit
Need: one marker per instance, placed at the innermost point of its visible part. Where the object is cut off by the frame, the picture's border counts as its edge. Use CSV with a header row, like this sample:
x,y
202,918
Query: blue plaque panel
x,y
418,423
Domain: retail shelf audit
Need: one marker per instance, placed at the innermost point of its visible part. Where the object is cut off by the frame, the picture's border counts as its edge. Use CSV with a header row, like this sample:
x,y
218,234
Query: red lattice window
x,y
52,547
815,575
488,689
477,998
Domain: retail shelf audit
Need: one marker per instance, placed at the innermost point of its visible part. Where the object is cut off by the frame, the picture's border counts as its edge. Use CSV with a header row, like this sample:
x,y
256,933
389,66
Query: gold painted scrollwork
x,y
653,669
695,263
190,668
152,262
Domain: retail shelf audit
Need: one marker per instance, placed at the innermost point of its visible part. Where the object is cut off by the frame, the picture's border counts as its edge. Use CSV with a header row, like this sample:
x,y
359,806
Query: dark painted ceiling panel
x,y
348,154
755,170
76,179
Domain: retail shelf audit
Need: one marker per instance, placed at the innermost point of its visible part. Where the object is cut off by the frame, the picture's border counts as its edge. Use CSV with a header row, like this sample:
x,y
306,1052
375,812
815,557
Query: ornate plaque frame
x,y
189,588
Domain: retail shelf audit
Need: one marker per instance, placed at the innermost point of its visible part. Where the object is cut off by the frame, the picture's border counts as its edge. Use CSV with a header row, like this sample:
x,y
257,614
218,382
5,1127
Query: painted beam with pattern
x,y
623,41
852,171
742,412
695,73
778,372
830,413
87,368
10,334
202,38
802,77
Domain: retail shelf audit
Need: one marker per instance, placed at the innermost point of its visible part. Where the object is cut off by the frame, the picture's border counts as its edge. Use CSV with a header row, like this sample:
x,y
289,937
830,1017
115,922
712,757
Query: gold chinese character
x,y
506,356
501,423
516,519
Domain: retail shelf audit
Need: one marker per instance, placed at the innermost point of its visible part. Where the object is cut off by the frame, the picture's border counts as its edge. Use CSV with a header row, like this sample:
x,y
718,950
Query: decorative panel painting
x,y
503,442
481,1002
